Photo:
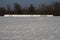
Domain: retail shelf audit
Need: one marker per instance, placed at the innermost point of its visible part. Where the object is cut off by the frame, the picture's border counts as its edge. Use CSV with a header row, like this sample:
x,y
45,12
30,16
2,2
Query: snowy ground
x,y
29,28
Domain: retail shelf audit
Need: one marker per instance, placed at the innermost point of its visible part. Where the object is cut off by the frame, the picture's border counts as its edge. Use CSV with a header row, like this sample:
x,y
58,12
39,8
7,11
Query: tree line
x,y
53,9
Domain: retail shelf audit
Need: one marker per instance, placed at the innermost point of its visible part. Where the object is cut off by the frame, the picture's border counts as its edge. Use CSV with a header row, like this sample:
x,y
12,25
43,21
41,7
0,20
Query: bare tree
x,y
17,9
31,9
56,8
8,9
2,11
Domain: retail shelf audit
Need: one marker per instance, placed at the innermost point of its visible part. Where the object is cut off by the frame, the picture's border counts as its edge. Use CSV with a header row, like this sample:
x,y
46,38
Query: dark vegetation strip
x,y
53,9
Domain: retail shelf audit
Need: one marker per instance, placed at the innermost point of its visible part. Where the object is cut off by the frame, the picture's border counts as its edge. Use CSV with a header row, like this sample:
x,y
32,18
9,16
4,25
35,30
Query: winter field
x,y
30,28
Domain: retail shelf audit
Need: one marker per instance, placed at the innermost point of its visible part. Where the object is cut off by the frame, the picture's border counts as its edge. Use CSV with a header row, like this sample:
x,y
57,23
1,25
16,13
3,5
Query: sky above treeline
x,y
25,3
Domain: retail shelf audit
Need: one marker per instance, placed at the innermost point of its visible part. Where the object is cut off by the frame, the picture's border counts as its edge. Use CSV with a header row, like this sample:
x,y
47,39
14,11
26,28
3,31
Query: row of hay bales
x,y
27,15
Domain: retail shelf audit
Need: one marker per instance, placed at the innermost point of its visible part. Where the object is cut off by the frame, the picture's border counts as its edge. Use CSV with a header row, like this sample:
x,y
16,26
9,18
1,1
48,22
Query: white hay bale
x,y
50,15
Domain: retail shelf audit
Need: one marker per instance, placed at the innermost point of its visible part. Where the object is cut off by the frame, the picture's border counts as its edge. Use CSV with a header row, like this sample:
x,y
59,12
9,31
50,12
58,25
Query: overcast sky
x,y
25,3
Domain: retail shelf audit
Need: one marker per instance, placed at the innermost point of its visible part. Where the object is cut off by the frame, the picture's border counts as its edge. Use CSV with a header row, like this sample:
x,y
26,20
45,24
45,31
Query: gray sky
x,y
25,3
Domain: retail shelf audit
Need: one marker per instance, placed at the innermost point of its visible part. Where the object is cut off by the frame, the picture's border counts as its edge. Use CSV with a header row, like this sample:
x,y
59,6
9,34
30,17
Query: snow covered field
x,y
29,28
